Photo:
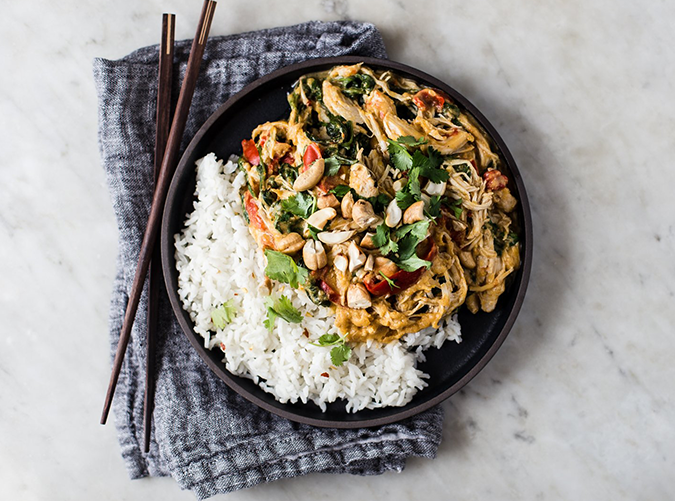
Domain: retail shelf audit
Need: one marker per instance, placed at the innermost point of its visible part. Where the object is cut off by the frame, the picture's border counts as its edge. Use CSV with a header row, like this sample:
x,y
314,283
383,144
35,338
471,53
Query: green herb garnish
x,y
411,141
340,190
388,280
454,205
382,239
340,352
303,204
223,315
434,209
332,166
282,268
417,230
400,158
282,308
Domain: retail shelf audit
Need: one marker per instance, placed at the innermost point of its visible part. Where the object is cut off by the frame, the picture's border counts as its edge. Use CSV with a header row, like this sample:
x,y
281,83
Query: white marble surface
x,y
580,401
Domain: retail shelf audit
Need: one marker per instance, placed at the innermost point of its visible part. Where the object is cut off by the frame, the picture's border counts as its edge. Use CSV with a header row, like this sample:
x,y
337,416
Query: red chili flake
x,y
325,374
305,333
222,346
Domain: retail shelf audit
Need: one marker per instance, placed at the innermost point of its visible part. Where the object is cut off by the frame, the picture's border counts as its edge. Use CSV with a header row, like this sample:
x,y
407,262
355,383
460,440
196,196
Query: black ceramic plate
x,y
450,367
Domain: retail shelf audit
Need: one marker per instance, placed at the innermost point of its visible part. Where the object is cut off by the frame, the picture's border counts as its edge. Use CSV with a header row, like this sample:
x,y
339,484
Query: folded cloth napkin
x,y
206,436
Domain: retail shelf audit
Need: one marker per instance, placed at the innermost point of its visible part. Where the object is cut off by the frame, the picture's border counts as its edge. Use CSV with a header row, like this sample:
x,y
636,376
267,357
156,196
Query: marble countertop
x,y
579,403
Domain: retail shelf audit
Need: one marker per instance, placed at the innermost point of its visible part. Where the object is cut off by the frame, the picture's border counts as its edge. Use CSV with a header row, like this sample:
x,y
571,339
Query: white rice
x,y
218,261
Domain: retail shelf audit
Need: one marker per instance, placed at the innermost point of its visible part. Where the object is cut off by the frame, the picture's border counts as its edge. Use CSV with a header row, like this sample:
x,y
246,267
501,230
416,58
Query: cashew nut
x,y
347,205
314,255
321,217
309,178
335,237
435,189
370,263
367,241
414,213
386,266
394,214
340,262
289,243
356,257
328,200
358,297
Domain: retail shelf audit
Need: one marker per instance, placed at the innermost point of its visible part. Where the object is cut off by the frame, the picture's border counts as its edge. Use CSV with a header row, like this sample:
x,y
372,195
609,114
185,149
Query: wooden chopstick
x,y
166,172
163,124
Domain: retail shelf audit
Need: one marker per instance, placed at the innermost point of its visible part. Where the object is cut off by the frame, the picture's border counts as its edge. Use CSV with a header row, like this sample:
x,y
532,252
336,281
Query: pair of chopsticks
x,y
163,174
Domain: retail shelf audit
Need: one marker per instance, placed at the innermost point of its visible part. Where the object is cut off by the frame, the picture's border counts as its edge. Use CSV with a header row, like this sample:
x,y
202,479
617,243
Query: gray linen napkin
x,y
206,436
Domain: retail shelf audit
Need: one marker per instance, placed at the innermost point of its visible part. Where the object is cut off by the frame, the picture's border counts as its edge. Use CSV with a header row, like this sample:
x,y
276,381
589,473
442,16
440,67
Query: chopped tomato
x,y
333,296
495,180
288,159
328,183
257,222
250,151
402,279
429,98
312,153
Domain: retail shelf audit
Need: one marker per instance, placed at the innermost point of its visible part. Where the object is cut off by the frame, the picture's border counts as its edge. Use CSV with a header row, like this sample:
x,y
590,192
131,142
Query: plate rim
x,y
220,370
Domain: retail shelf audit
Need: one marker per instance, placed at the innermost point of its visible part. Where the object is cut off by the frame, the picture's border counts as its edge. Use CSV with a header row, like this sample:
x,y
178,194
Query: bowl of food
x,y
346,242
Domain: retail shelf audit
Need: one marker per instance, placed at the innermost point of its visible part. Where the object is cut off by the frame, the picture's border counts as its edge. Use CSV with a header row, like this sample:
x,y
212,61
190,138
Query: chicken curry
x,y
382,198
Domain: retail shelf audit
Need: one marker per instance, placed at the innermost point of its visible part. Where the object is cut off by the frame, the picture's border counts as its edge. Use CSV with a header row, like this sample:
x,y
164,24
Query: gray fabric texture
x,y
208,438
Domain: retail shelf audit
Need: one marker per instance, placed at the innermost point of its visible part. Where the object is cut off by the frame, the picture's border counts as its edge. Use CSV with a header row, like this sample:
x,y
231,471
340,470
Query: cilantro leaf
x,y
269,320
223,315
332,166
411,141
282,268
328,340
303,204
383,240
413,185
379,202
409,236
405,199
429,164
412,263
434,209
417,230
283,308
340,354
340,190
400,158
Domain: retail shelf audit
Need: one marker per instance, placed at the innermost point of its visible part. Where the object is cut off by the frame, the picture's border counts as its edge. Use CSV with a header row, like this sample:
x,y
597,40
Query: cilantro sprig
x,y
416,164
283,308
283,268
340,352
402,244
